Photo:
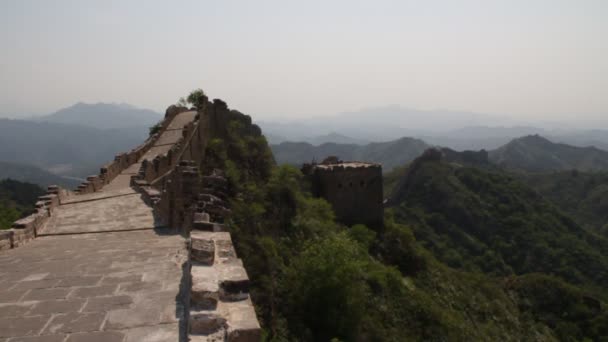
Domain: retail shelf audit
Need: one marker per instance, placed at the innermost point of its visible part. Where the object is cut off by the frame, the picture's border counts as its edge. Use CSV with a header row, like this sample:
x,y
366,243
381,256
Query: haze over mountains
x,y
103,116
72,141
390,154
531,153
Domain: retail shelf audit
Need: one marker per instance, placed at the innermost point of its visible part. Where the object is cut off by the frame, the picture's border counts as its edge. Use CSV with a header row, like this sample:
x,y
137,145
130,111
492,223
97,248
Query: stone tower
x,y
354,189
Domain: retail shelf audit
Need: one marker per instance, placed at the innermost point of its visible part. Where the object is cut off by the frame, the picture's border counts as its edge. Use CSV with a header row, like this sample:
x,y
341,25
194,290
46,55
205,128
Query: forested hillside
x,y
581,195
427,276
534,153
488,222
17,199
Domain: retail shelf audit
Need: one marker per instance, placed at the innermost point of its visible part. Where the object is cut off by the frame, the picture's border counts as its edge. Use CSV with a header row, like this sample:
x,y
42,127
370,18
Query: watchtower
x,y
354,189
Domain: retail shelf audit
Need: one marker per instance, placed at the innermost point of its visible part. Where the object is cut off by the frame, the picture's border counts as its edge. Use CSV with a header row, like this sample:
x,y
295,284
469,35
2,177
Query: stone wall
x,y
354,189
27,228
123,161
196,205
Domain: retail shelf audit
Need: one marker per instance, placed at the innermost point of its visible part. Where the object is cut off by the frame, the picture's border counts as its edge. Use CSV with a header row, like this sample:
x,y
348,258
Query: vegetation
x,y
316,280
489,222
197,98
17,200
156,128
581,195
536,154
466,253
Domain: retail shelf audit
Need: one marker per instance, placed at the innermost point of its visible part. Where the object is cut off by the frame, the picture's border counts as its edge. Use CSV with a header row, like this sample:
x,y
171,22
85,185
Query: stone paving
x,y
115,212
101,270
123,286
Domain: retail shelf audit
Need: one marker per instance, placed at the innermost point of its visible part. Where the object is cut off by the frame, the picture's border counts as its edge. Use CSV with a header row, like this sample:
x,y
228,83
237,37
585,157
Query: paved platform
x,y
101,270
123,286
115,212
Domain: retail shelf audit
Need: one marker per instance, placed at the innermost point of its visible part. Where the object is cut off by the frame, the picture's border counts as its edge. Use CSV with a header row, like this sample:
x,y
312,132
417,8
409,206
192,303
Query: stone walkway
x,y
101,270
123,286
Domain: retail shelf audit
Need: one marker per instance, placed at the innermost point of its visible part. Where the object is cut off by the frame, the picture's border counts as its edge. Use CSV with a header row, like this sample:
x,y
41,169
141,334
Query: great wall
x,y
136,253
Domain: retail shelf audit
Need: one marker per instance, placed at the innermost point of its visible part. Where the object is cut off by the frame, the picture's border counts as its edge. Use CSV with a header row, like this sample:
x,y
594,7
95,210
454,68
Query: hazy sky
x,y
532,59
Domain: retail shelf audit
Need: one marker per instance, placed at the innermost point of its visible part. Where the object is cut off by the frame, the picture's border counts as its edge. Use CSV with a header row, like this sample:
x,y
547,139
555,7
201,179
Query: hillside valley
x,y
72,141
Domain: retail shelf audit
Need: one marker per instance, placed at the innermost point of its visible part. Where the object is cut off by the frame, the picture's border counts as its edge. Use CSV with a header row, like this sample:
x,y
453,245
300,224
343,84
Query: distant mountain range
x,y
531,153
74,141
103,116
390,154
458,130
380,124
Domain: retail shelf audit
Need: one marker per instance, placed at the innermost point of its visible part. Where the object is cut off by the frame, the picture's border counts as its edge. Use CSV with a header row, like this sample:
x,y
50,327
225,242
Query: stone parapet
x,y
27,228
123,161
197,206
220,305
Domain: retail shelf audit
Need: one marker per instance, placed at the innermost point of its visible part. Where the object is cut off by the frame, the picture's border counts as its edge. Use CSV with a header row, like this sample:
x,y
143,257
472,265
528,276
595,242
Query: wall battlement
x,y
220,307
165,170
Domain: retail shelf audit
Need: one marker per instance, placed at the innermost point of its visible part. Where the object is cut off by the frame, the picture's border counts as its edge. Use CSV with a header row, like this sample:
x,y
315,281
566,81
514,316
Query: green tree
x,y
198,99
325,294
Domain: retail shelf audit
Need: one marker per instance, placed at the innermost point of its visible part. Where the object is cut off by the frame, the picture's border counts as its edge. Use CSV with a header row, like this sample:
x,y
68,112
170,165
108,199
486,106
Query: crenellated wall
x,y
27,228
125,160
197,206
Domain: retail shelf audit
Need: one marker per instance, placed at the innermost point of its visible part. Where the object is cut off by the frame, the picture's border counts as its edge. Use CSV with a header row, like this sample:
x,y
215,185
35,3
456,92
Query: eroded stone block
x,y
205,322
202,250
205,291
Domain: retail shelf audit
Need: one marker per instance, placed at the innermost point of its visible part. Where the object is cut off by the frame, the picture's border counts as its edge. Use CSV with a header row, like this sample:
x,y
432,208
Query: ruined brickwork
x,y
354,189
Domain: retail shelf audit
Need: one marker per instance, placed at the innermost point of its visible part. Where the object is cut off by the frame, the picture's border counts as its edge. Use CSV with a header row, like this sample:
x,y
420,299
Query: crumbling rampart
x,y
197,205
125,160
168,175
27,228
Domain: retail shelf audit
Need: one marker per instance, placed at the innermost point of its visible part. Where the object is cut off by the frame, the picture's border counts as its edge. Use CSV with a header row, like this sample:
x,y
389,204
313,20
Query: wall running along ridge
x,y
27,228
219,304
220,307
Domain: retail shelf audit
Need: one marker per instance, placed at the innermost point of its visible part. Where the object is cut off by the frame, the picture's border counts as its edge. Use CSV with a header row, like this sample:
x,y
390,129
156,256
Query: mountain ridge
x,y
103,115
534,153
